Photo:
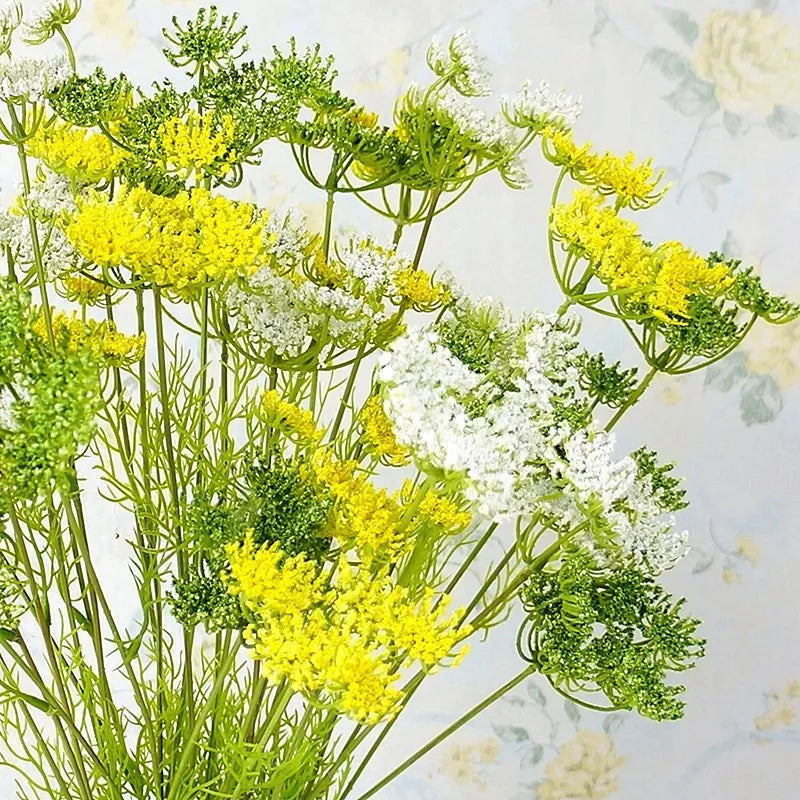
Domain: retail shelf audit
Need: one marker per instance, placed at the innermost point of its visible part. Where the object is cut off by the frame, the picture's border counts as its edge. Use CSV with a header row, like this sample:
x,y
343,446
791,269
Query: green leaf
x,y
533,756
784,123
735,124
704,561
7,635
761,400
681,23
671,65
536,694
693,97
709,183
724,375
572,711
511,733
82,619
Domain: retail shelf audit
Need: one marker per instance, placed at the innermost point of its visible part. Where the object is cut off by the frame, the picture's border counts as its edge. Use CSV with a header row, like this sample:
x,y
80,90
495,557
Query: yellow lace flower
x,y
338,633
178,243
634,185
101,338
443,512
86,291
297,422
76,152
196,143
418,288
663,278
379,435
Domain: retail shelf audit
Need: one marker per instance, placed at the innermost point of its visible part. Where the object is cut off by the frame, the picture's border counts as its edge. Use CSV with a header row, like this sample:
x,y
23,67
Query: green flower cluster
x,y
615,632
50,392
280,504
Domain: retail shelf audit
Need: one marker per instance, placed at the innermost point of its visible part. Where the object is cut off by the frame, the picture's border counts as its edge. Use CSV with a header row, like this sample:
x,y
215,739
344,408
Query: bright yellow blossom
x,y
76,152
663,279
443,512
196,143
177,242
101,338
418,288
365,518
338,633
634,185
84,290
295,421
379,434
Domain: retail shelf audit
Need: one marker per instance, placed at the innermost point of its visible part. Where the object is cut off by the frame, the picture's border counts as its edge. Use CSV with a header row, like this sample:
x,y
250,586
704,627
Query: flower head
x,y
460,64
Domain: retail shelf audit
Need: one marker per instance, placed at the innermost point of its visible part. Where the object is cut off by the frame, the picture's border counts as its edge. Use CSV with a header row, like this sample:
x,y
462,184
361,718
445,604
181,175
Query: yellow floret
x,y
443,512
196,143
84,290
178,243
663,279
379,434
341,632
295,421
76,152
418,288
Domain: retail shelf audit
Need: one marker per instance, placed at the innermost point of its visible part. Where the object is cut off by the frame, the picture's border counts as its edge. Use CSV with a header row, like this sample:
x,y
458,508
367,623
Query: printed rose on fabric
x,y
752,58
587,767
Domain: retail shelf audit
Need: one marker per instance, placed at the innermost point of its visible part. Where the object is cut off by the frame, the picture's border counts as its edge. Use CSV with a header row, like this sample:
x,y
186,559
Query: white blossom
x,y
540,106
461,62
491,132
32,78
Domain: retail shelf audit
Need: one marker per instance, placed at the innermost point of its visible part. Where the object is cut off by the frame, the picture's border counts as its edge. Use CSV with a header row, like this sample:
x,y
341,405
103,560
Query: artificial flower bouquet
x,y
313,440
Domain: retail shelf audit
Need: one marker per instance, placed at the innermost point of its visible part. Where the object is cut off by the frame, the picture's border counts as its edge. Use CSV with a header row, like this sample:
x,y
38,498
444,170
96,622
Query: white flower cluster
x,y
58,254
52,194
32,78
10,19
497,433
490,132
541,106
282,311
370,264
461,63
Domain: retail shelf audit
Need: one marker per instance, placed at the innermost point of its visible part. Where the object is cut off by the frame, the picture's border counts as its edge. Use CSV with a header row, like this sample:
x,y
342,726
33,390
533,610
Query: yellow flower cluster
x,y
298,423
662,278
379,434
76,152
365,518
635,185
196,143
443,512
418,288
86,291
337,634
176,242
101,338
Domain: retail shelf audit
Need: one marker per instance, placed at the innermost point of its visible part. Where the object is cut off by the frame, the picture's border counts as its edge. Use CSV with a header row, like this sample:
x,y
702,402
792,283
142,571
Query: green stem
x,y
632,398
451,729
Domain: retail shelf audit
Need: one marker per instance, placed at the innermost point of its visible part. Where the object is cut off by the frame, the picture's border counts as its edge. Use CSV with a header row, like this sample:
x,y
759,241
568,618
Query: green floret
x,y
614,632
666,488
202,600
711,329
748,292
609,384
290,509
91,100
209,39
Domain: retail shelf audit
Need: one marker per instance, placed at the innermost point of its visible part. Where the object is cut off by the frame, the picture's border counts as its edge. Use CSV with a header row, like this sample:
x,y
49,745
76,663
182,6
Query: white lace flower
x,y
32,78
541,106
490,132
461,62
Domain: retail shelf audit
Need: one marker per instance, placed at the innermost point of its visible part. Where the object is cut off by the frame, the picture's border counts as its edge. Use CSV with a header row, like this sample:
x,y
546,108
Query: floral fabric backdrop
x,y
710,89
